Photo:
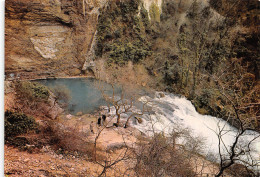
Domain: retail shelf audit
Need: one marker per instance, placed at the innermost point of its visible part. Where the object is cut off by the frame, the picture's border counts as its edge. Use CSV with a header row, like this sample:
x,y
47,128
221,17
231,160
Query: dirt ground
x,y
110,142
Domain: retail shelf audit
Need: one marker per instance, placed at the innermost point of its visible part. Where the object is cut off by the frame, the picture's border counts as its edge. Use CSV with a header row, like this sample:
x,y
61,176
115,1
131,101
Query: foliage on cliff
x,y
154,12
32,91
35,99
122,33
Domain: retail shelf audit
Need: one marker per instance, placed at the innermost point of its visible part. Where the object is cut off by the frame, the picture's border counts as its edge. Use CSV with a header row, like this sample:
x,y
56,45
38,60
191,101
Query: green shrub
x,y
121,33
145,17
18,123
154,12
123,52
32,91
32,98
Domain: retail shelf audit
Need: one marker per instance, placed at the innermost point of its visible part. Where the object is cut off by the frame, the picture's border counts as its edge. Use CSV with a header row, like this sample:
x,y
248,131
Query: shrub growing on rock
x,y
32,90
32,98
159,156
17,124
121,33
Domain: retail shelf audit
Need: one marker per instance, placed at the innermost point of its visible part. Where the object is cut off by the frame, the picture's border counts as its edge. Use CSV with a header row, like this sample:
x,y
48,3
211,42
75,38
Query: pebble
x,y
68,165
85,169
26,160
60,156
42,176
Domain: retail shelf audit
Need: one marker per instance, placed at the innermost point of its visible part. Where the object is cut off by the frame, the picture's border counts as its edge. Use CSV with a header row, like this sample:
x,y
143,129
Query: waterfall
x,y
171,111
89,62
168,113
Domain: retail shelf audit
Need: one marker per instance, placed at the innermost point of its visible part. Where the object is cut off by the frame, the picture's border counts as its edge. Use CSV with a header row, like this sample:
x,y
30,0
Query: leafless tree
x,y
109,163
234,152
61,95
123,105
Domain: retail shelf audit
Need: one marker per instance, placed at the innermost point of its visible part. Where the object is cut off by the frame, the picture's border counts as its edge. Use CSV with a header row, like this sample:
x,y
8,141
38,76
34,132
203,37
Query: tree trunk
x,y
127,121
192,93
182,74
118,116
187,76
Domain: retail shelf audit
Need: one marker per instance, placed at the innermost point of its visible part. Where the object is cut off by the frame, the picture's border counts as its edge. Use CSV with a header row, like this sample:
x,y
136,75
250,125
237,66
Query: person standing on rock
x,y
104,119
99,121
91,127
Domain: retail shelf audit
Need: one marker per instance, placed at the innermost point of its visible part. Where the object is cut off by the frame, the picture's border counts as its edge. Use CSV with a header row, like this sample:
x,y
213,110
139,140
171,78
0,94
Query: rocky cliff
x,y
48,37
45,38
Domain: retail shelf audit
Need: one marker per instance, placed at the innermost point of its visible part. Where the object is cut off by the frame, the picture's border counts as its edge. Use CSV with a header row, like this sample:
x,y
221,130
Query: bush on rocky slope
x,y
18,123
122,33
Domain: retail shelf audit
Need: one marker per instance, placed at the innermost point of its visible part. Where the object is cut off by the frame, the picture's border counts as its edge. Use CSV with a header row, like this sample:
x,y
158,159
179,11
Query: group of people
x,y
101,121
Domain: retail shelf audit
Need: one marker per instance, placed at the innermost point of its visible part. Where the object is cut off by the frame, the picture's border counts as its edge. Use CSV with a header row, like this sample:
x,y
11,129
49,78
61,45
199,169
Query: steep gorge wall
x,y
48,37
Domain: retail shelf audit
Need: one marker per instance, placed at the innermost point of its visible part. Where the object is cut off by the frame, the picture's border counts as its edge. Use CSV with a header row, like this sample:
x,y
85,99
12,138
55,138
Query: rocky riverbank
x,y
111,143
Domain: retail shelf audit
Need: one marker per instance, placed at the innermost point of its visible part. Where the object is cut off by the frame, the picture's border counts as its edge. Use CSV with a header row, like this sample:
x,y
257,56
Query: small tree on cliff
x,y
123,104
238,92
61,95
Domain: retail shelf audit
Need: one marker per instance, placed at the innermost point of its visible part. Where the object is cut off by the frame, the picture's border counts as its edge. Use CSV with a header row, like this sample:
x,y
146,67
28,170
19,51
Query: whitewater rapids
x,y
170,112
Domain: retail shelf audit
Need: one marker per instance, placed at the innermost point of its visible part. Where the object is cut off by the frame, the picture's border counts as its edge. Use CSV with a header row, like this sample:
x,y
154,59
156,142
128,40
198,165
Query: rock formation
x,y
48,37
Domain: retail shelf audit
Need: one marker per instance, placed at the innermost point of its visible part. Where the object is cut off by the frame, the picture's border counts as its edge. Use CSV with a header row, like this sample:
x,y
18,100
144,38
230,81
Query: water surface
x,y
85,93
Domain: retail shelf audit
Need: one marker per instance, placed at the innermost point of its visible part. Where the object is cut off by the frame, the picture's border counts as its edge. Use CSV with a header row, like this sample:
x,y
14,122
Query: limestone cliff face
x,y
51,37
48,37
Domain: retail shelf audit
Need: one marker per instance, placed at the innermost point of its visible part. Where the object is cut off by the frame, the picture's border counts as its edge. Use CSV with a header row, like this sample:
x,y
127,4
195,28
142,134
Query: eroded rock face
x,y
48,37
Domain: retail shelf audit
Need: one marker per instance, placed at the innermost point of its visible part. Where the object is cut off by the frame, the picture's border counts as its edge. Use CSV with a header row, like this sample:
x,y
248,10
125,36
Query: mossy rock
x,y
202,111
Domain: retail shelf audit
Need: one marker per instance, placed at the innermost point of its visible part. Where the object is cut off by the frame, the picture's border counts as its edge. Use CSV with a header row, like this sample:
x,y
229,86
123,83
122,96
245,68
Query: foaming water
x,y
179,112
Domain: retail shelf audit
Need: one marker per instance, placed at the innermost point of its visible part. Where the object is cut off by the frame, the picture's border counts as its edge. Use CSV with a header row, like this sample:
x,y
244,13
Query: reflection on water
x,y
85,93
